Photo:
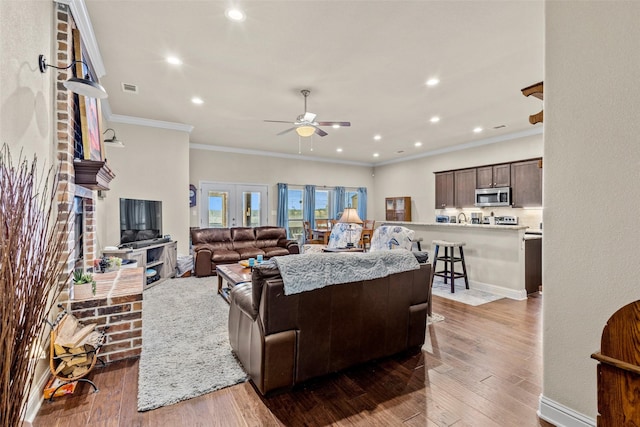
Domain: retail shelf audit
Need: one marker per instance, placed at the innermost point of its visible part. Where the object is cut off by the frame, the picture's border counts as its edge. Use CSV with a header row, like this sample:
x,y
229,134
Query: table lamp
x,y
350,216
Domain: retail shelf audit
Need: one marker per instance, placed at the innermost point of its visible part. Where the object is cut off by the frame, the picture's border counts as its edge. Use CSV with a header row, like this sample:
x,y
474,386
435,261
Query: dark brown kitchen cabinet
x,y
494,176
465,187
526,183
444,190
398,208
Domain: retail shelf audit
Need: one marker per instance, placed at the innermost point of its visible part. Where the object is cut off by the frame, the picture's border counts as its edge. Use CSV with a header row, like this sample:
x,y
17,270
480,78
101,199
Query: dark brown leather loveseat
x,y
212,246
282,340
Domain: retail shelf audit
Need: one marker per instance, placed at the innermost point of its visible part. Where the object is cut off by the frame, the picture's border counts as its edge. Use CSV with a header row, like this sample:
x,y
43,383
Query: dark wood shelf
x,y
93,174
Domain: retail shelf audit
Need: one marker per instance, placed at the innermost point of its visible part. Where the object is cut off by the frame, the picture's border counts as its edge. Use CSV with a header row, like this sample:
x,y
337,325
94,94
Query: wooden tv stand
x,y
162,257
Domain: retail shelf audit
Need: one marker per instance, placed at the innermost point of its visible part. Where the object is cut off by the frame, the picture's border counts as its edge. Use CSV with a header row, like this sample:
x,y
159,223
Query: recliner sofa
x,y
282,340
213,246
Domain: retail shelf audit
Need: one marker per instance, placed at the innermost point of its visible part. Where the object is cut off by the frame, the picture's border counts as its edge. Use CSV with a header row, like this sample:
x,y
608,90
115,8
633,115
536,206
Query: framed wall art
x,y
90,112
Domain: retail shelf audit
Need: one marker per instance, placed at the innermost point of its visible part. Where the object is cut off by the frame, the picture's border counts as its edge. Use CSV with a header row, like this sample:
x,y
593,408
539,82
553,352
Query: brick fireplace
x,y
118,300
67,125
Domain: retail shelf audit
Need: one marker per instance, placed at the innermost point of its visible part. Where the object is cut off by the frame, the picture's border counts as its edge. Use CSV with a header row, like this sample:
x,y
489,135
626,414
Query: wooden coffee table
x,y
233,274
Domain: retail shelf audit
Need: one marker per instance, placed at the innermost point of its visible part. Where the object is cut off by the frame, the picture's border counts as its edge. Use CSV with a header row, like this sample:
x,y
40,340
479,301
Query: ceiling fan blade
x,y
334,123
277,121
309,117
285,131
321,132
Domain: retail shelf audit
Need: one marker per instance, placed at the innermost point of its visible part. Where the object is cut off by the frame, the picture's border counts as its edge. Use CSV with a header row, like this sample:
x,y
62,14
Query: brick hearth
x,y
117,303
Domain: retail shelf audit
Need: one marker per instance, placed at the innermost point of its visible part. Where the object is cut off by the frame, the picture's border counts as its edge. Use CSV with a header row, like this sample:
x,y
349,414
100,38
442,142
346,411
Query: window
x,y
351,198
294,208
322,204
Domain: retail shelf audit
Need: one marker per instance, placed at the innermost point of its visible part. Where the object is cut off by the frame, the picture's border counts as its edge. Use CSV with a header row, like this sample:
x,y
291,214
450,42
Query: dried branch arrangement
x,y
33,271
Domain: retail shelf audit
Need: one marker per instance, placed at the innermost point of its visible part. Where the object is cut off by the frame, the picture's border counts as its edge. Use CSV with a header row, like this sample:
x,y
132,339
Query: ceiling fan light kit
x,y
305,124
305,131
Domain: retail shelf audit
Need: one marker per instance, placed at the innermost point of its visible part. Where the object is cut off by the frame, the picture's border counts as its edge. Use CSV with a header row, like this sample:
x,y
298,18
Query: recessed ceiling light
x,y
197,100
418,144
434,119
376,154
174,60
335,126
235,15
433,81
477,130
377,137
339,150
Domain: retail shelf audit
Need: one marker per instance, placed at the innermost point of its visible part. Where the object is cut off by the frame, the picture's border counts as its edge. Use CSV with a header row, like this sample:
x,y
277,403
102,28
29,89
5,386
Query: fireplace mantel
x,y
93,174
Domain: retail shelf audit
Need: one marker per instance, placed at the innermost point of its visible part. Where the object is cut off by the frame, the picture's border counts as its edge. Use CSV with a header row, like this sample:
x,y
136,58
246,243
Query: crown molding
x,y
478,143
81,17
220,148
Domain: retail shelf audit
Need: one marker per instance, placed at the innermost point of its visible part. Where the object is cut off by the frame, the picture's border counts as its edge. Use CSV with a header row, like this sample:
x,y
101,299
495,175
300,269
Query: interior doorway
x,y
233,205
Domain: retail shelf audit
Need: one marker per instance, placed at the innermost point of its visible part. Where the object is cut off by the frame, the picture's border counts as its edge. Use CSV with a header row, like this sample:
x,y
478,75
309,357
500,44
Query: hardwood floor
x,y
482,367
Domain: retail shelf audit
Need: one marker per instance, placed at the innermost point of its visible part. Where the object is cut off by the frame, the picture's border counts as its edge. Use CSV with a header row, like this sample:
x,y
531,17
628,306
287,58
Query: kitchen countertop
x,y
465,225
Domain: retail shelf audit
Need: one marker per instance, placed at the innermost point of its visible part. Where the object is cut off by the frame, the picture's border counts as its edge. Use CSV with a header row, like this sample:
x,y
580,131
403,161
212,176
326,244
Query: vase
x,y
82,291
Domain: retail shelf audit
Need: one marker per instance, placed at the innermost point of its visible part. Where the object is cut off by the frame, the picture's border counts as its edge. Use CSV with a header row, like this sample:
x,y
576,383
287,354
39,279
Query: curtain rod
x,y
320,186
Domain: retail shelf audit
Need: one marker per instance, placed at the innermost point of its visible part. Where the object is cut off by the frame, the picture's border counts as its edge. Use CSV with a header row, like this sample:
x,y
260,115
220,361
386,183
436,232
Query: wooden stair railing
x,y
619,369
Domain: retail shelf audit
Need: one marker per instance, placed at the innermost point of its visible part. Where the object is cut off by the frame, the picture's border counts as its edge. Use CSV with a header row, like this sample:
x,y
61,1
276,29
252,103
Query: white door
x,y
232,205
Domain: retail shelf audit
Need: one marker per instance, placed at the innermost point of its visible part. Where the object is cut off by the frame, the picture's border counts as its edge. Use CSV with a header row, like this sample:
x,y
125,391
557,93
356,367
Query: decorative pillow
x,y
389,237
341,234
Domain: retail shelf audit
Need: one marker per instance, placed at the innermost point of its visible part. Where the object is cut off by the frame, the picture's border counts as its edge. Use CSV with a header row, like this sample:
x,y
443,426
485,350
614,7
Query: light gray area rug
x,y
185,343
434,318
467,296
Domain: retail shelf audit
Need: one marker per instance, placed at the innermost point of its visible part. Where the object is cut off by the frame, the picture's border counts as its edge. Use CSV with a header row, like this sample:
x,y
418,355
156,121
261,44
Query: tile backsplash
x,y
531,217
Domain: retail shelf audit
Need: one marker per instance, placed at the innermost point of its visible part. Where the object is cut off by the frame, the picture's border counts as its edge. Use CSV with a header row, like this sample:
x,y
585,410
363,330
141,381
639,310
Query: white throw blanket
x,y
307,272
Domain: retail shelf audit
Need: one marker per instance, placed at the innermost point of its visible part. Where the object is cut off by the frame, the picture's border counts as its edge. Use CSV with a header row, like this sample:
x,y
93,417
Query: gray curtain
x,y
338,205
283,213
362,203
309,204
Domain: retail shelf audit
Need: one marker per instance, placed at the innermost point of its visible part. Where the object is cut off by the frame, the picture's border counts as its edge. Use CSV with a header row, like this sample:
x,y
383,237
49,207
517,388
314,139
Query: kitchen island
x,y
494,254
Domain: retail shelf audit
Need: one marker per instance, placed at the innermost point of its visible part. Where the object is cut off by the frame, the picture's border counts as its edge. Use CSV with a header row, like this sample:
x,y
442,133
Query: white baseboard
x,y
36,397
498,290
562,416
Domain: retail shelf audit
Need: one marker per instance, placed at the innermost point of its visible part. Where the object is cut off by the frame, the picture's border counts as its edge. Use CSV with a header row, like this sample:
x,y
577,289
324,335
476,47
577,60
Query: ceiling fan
x,y
305,124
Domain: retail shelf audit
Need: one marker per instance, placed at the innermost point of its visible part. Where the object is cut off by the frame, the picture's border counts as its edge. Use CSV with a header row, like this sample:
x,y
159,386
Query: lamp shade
x,y
305,130
113,141
350,216
85,87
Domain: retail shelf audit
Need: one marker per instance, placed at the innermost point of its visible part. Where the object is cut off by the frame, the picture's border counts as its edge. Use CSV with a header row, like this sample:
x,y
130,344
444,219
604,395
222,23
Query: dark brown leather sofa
x,y
282,340
212,246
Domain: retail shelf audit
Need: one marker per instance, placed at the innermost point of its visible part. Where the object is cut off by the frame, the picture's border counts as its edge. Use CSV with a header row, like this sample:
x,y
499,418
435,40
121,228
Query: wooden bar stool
x,y
449,259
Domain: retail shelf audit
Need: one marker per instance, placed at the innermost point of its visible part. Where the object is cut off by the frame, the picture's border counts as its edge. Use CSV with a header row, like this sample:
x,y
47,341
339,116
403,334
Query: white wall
x,y
26,118
416,178
26,105
153,165
591,187
206,165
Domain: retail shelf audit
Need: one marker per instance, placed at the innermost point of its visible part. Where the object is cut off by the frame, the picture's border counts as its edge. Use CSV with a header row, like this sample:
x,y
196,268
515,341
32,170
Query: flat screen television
x,y
140,220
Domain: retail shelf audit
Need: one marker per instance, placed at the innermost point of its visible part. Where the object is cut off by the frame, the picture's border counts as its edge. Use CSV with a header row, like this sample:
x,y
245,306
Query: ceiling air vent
x,y
500,126
129,88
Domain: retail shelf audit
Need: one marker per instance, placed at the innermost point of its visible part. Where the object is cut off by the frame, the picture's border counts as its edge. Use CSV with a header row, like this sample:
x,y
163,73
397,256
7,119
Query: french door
x,y
232,205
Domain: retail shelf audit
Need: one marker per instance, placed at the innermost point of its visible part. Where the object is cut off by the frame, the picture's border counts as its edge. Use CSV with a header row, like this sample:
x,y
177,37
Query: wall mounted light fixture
x,y
113,141
77,85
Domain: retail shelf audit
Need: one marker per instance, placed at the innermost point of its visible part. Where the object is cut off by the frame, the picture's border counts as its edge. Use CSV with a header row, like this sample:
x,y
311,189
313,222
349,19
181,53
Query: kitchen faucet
x,y
465,217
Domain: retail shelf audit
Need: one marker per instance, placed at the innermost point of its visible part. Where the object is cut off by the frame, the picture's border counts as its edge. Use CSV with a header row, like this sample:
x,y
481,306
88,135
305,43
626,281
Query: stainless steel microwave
x,y
499,196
